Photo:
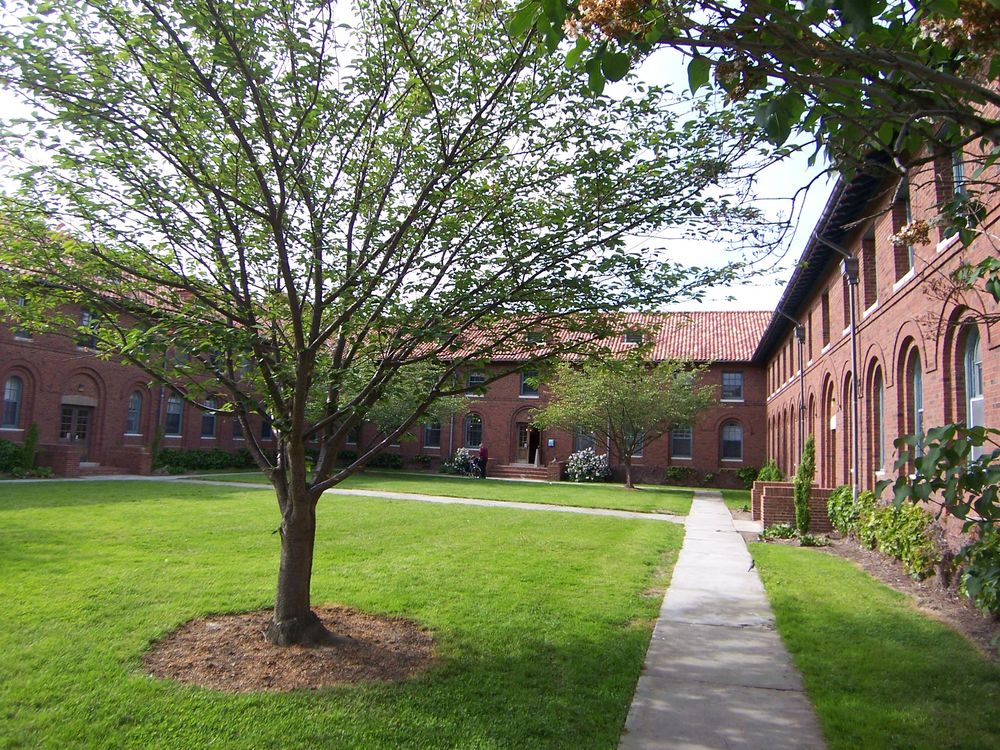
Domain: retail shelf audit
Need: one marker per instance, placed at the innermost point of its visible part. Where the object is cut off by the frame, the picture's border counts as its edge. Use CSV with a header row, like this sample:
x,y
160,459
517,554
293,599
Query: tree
x,y
860,78
802,492
305,209
627,403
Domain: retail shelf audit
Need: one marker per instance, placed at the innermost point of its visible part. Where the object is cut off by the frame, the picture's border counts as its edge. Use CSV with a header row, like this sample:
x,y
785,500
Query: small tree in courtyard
x,y
626,403
307,209
804,476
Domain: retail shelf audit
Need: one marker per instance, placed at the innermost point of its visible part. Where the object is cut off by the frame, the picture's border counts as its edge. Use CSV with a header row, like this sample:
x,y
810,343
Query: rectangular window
x,y
266,429
432,434
681,442
134,413
868,269
847,301
474,383
638,443
21,333
825,317
175,416
902,214
237,429
88,321
959,184
732,386
633,337
208,418
353,436
528,390
534,337
583,440
732,442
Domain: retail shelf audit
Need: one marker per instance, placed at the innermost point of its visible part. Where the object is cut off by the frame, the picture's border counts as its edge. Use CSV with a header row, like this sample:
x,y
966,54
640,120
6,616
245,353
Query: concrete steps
x,y
517,471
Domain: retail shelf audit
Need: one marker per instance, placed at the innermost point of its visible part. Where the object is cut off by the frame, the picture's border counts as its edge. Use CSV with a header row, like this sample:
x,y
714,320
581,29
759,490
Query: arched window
x,y
917,392
974,406
13,390
134,416
732,441
878,422
473,431
175,414
208,417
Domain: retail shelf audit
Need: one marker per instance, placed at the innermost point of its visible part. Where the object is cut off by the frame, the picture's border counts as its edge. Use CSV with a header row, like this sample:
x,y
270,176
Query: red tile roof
x,y
716,336
703,336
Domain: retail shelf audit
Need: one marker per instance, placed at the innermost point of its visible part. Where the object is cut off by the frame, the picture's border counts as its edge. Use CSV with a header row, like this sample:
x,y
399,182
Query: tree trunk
x,y
628,474
294,622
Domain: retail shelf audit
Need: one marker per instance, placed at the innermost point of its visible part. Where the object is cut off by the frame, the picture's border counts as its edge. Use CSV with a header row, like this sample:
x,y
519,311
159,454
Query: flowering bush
x,y
461,462
587,466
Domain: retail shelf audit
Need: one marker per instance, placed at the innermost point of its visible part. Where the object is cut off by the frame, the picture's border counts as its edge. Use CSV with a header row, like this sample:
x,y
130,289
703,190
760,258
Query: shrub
x,y
678,475
903,533
587,466
770,472
779,531
176,460
748,475
422,460
387,461
29,448
803,485
981,578
708,477
10,456
841,509
814,540
461,462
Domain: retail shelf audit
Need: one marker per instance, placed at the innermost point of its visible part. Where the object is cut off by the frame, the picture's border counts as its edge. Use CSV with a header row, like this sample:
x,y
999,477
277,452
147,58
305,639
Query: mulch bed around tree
x,y
229,653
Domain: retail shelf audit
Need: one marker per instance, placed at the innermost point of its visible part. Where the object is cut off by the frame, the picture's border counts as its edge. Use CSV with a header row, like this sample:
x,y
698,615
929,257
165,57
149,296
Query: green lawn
x,y
880,674
736,499
647,499
540,619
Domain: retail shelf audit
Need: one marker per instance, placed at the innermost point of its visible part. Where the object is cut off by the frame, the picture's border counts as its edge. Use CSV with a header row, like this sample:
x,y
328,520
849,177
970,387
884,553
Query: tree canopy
x,y
627,403
303,208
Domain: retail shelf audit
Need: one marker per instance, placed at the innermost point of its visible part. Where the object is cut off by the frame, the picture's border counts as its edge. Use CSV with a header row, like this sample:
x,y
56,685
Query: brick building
x,y
95,415
101,415
925,352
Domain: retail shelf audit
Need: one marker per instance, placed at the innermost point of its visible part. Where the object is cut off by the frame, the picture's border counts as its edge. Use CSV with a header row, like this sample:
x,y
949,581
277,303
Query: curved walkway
x,y
717,674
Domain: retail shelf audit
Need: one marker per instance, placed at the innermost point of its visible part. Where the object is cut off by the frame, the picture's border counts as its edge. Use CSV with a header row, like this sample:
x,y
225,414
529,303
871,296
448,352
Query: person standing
x,y
484,456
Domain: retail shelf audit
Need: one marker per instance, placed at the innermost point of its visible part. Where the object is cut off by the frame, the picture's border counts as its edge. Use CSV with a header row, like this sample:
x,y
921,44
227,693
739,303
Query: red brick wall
x,y
777,505
914,313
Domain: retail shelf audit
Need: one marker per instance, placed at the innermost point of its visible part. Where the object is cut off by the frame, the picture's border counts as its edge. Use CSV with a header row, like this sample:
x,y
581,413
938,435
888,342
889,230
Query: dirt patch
x,y
942,603
229,653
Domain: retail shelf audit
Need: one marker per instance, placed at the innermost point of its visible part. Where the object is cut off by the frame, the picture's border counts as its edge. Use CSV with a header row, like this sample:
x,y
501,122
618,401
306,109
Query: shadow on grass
x,y
75,494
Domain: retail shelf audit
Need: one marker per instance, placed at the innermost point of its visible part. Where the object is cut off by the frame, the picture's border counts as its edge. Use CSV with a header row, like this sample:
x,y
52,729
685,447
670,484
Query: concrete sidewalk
x,y
717,674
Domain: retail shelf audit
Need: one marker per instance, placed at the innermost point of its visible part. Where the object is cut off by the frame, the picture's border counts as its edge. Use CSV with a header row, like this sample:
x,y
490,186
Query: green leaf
x,y
523,18
698,71
573,56
615,65
595,78
857,14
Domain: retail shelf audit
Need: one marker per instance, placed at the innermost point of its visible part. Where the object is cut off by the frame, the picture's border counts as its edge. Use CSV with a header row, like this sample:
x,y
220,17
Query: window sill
x,y
732,460
904,280
208,437
23,339
432,447
131,434
825,349
528,395
946,243
870,310
173,436
732,400
11,429
680,458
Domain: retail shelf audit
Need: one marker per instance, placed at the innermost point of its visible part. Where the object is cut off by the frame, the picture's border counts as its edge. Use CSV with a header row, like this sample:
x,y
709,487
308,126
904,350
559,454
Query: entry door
x,y
74,427
523,441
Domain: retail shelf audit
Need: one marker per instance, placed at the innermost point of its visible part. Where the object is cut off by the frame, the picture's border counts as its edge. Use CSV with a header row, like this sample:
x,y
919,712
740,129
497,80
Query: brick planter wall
x,y
62,458
777,505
